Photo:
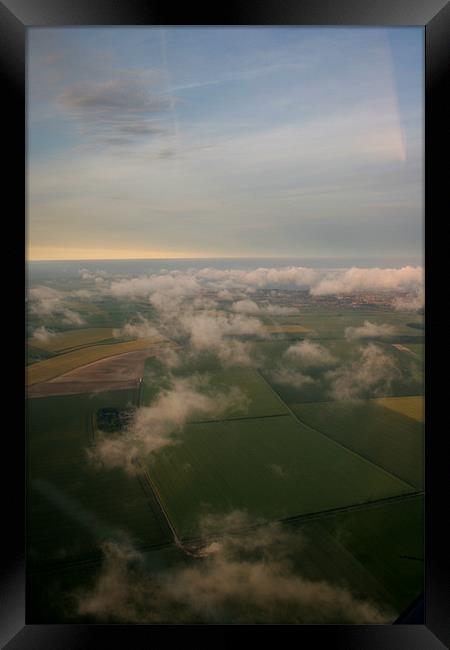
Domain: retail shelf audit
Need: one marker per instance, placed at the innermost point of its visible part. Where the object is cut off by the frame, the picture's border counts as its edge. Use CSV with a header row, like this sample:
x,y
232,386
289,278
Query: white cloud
x,y
410,302
156,426
248,306
141,329
48,302
368,330
373,371
309,354
242,578
290,377
355,280
43,334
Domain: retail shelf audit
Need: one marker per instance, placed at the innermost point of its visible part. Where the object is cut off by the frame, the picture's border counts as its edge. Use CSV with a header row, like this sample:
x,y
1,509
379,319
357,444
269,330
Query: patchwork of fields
x,y
272,467
383,436
58,365
71,506
348,475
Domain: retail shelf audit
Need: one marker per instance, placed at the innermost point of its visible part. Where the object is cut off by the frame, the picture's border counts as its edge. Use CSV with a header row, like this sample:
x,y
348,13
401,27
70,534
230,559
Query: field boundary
x,y
352,451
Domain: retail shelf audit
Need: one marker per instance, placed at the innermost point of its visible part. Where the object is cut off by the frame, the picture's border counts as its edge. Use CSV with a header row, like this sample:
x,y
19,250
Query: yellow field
x,y
73,338
413,406
50,368
278,329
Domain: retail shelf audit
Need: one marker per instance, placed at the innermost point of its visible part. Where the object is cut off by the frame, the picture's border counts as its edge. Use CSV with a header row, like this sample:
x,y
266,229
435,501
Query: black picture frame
x,y
426,626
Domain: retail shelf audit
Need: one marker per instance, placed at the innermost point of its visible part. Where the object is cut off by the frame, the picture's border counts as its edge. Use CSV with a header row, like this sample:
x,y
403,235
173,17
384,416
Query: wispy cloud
x,y
120,110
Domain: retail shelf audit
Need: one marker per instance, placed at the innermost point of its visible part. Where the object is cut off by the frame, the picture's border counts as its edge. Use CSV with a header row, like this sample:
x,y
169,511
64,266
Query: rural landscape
x,y
212,444
224,325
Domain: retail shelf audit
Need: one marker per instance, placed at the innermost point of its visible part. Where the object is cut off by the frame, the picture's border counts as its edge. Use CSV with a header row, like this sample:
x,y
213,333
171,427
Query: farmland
x,y
271,467
72,506
412,407
383,436
342,478
64,341
377,550
45,370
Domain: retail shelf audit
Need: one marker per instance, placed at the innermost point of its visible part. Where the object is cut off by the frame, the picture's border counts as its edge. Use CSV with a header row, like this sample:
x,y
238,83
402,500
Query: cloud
x,y
159,424
259,278
119,110
247,306
226,282
43,334
242,578
290,377
212,331
368,331
373,372
141,329
86,274
157,287
309,354
355,280
48,302
410,302
278,471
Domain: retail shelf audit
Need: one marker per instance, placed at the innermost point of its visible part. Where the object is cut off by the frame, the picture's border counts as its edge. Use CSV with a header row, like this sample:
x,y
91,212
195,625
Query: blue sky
x,y
204,142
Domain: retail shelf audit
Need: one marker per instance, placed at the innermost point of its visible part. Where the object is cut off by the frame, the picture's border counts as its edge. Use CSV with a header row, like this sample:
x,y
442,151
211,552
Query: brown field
x,y
43,371
114,373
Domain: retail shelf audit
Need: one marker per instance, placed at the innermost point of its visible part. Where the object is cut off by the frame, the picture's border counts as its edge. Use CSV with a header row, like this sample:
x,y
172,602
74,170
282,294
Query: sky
x,y
153,142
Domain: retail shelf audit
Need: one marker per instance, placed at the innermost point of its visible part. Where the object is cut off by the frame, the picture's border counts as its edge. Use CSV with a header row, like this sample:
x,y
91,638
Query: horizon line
x,y
215,257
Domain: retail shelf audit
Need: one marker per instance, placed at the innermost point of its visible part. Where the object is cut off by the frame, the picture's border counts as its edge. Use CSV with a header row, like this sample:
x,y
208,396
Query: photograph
x,y
225,324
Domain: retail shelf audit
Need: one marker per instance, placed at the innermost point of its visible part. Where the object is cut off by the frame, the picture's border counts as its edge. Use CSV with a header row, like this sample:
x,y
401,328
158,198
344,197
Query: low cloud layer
x,y
140,329
368,331
46,302
158,425
42,334
247,306
411,302
212,331
292,377
320,282
373,371
355,280
307,354
247,578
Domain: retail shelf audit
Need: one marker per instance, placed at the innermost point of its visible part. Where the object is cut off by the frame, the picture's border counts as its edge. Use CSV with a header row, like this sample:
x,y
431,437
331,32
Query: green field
x,y
387,438
71,505
35,354
73,339
375,550
272,467
345,476
332,323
